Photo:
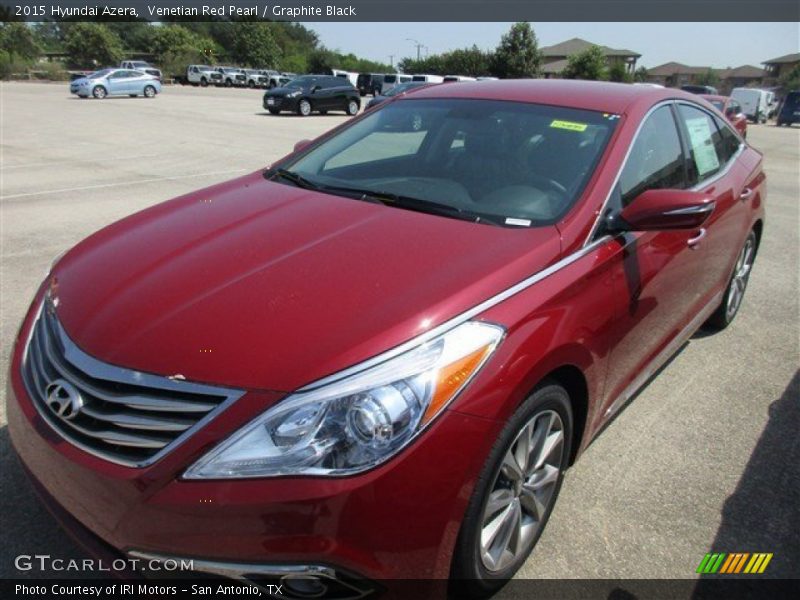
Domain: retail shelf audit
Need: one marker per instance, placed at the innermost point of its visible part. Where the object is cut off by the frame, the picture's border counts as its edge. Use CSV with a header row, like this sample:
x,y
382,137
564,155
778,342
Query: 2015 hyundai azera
x,y
376,358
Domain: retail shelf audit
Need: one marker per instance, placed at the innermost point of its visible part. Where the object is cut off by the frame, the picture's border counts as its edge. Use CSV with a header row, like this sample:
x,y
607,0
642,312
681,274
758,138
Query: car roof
x,y
714,97
588,95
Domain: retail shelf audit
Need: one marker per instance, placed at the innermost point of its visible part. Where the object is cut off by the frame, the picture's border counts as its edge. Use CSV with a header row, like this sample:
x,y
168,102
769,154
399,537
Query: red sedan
x,y
375,359
732,111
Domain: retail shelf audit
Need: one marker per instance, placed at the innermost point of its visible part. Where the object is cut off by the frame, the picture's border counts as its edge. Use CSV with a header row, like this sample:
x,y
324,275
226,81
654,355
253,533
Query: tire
x,y
323,112
149,91
99,92
228,83
272,84
251,84
304,107
479,571
133,95
273,111
352,108
737,286
203,82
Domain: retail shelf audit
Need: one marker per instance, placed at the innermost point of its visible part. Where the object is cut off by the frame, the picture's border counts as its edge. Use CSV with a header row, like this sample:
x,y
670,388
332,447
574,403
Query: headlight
x,y
358,422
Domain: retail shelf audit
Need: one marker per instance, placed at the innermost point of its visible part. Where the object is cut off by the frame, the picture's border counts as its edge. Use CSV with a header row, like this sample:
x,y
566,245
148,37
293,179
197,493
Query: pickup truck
x,y
202,75
231,76
140,65
256,78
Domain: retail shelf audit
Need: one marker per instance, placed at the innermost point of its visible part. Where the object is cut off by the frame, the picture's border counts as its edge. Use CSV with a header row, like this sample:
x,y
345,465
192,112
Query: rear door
x,y
658,278
712,148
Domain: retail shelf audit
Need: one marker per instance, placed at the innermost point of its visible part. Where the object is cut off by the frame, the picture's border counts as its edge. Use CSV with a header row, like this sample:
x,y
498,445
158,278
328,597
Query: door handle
x,y
746,194
693,242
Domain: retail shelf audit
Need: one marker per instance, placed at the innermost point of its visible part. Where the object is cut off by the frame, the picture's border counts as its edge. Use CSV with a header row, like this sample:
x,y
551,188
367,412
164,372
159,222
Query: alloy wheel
x,y
150,91
523,491
305,108
99,92
352,108
741,275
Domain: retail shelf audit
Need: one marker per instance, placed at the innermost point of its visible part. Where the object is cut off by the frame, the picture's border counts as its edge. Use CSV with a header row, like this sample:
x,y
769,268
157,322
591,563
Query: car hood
x,y
261,285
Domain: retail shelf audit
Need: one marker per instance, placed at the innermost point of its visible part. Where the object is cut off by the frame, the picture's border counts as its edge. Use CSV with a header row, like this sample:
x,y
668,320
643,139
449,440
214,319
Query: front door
x,y
658,276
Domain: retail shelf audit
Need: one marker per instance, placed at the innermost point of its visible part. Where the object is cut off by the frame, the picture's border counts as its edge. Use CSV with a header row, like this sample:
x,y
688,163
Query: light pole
x,y
417,44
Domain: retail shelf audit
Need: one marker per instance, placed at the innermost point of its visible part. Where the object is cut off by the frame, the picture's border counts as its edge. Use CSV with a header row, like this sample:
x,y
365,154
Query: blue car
x,y
116,82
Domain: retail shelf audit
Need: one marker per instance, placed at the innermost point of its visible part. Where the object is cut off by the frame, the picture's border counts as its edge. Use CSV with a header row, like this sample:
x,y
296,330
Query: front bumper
x,y
280,103
399,521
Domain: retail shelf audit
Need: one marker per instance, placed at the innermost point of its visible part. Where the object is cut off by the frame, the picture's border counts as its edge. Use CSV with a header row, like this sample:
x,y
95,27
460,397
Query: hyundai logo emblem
x,y
63,399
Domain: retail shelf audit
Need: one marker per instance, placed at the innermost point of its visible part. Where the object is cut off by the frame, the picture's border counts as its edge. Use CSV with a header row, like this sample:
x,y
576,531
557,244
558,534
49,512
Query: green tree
x,y
321,60
640,75
791,80
92,44
589,64
254,46
49,35
619,72
710,77
18,40
176,39
517,55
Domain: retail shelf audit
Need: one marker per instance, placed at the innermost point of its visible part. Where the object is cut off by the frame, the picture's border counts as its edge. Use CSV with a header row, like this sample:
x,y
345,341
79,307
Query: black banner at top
x,y
403,10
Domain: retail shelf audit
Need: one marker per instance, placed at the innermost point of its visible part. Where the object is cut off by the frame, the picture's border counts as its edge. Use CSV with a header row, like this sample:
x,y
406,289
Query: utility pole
x,y
418,45
391,60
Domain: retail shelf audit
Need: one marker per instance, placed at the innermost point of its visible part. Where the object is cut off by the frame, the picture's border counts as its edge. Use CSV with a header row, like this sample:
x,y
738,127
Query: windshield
x,y
509,163
300,82
100,74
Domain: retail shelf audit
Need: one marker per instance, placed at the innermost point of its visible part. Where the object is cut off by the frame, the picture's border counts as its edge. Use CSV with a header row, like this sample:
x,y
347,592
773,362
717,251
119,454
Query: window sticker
x,y
568,125
705,156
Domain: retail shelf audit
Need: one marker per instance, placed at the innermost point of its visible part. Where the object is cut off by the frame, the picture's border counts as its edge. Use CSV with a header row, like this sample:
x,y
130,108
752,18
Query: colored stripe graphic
x,y
734,563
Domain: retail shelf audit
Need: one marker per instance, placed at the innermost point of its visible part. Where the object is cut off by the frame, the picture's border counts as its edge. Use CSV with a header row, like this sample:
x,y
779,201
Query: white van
x,y
755,103
428,78
452,78
351,77
392,79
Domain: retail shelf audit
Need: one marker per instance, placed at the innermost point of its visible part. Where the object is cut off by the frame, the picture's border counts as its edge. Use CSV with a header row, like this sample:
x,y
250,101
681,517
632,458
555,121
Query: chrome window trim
x,y
670,102
457,320
105,371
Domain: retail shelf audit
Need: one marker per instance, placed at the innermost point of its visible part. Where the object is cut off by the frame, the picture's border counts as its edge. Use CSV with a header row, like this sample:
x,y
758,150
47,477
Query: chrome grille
x,y
121,415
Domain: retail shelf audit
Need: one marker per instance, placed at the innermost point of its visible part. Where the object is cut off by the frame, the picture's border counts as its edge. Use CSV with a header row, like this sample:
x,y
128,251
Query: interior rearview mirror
x,y
655,210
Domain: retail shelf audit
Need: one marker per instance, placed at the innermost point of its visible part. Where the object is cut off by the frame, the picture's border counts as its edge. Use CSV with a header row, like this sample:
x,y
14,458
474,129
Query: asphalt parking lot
x,y
706,458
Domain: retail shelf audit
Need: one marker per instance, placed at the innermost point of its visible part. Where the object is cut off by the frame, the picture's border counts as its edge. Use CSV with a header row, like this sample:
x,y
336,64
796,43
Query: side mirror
x,y
301,144
655,210
315,88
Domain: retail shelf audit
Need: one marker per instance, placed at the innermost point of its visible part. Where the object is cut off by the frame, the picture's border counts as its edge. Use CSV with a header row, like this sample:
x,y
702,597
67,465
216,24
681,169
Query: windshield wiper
x,y
422,205
295,178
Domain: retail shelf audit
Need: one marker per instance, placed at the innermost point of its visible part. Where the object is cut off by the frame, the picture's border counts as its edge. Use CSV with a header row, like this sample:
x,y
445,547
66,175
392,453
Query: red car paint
x,y
732,111
267,287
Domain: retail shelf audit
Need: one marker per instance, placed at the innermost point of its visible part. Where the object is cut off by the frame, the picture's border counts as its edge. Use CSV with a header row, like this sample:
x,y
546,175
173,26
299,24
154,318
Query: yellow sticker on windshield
x,y
570,125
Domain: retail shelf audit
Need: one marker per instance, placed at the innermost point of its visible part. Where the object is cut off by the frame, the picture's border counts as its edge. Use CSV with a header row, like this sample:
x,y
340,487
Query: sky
x,y
717,45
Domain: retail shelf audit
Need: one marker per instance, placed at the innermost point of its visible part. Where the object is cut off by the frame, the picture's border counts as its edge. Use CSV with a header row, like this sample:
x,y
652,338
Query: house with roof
x,y
674,74
555,58
744,76
776,68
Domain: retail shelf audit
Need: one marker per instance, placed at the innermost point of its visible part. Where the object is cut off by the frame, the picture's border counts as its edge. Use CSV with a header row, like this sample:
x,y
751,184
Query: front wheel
x,y
352,108
149,91
99,92
273,111
304,108
514,494
204,82
228,83
734,293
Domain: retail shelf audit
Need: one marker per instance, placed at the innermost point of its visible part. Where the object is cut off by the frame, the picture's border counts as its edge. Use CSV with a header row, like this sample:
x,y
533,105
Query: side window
x,y
707,149
730,141
656,159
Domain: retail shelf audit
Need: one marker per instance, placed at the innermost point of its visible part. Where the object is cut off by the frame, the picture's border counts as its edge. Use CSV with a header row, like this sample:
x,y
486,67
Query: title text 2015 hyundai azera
x,y
375,359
